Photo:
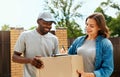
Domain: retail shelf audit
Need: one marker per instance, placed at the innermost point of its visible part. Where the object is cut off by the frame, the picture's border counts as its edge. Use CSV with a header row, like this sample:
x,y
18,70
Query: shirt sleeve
x,y
107,65
20,43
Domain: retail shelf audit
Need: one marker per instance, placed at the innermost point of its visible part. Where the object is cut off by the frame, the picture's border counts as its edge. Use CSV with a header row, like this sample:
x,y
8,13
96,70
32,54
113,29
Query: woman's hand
x,y
37,62
84,74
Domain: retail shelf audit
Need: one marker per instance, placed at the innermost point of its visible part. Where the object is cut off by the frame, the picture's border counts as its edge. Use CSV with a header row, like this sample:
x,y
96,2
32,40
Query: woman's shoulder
x,y
79,39
105,41
101,38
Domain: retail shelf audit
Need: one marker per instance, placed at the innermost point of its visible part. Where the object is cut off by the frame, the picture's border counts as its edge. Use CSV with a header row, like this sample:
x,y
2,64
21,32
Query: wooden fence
x,y
5,66
5,54
116,46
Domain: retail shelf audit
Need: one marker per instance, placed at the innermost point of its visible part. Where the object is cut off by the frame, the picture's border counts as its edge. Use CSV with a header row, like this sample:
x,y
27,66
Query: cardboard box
x,y
62,66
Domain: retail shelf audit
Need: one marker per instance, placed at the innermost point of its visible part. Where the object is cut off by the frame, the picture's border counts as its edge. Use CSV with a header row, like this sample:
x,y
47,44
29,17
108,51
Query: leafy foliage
x,y
5,28
112,23
115,27
65,12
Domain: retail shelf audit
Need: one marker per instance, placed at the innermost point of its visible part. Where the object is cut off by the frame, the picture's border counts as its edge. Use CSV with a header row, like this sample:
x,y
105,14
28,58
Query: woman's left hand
x,y
85,74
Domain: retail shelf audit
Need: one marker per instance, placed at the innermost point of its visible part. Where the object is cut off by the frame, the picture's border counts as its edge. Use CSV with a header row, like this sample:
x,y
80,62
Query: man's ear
x,y
38,21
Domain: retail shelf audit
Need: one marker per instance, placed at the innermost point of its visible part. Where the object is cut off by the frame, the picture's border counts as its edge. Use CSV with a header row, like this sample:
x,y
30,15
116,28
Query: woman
x,y
95,47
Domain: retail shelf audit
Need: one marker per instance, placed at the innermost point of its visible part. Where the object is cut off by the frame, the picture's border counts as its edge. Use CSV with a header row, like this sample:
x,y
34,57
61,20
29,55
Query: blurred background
x,y
68,13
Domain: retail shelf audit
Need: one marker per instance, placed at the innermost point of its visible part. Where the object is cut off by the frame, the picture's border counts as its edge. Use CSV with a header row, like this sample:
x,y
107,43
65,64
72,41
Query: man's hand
x,y
37,62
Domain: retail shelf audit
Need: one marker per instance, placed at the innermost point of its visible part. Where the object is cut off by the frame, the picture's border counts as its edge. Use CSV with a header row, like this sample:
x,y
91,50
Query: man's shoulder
x,y
51,36
28,32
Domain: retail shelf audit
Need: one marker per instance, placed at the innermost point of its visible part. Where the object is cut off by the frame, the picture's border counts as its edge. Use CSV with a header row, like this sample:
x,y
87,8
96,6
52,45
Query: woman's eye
x,y
91,26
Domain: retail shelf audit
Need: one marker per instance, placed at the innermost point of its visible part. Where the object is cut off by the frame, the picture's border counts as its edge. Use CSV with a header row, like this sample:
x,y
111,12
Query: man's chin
x,y
45,33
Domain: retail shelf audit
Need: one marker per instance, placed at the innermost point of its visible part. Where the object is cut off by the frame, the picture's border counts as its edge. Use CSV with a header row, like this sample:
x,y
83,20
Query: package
x,y
62,66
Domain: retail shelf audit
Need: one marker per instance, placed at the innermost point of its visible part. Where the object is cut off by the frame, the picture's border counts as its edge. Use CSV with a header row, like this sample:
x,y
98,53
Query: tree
x,y
108,18
65,12
115,26
5,28
110,3
76,30
112,23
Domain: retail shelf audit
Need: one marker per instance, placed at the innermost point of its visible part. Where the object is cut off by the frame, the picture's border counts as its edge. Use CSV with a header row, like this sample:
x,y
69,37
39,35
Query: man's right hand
x,y
37,62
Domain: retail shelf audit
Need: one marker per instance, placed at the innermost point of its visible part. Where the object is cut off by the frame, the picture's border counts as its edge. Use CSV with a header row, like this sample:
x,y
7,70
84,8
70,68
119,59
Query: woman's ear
x,y
99,29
